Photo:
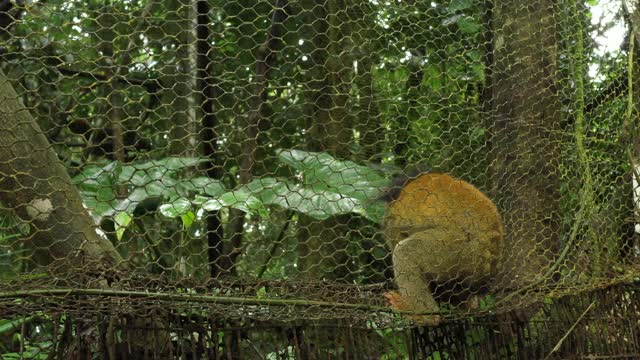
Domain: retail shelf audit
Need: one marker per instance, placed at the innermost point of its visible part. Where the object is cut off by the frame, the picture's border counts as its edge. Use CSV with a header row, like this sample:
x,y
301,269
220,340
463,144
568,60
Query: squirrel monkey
x,y
446,237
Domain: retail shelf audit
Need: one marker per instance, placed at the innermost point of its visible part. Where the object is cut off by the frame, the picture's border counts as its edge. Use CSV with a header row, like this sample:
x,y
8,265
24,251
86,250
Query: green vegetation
x,y
252,139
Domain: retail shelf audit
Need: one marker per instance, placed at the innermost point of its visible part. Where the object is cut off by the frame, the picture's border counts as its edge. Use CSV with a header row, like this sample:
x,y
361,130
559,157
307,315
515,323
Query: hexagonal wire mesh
x,y
231,160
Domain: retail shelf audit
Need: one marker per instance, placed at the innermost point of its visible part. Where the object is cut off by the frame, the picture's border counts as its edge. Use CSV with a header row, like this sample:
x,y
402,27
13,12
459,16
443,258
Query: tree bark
x,y
209,134
525,136
321,244
35,184
265,62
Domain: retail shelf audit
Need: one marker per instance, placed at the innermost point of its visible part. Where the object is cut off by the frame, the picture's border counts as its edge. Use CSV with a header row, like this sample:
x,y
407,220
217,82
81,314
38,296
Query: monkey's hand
x,y
396,301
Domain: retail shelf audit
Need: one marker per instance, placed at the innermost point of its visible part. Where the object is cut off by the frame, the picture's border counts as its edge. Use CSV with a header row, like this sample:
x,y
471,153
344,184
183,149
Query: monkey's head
x,y
399,181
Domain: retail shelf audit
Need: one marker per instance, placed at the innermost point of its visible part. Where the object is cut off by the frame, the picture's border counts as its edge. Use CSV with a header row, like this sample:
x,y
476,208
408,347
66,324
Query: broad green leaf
x,y
198,200
238,199
93,176
169,163
137,174
105,194
321,171
317,203
176,208
262,293
130,203
474,55
203,185
261,185
165,187
374,211
97,208
145,180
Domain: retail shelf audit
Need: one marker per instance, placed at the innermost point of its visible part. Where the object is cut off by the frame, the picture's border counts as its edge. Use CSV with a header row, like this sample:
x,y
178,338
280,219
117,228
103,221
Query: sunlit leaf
x,y
321,171
122,221
176,208
188,218
238,199
317,203
203,185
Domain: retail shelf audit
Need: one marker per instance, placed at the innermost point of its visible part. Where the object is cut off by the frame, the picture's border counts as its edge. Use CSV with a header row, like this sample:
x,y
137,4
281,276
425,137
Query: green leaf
x,y
469,25
321,171
203,185
122,221
105,194
8,326
458,5
168,163
474,55
317,203
374,211
97,208
323,174
176,208
130,203
262,293
187,219
452,19
93,177
146,181
165,187
239,199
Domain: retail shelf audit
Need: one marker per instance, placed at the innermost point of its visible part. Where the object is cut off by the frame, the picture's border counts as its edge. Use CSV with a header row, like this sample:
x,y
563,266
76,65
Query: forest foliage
x,y
285,120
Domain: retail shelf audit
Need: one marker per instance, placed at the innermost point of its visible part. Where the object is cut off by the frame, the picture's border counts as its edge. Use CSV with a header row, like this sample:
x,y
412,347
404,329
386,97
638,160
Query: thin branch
x,y
67,292
559,344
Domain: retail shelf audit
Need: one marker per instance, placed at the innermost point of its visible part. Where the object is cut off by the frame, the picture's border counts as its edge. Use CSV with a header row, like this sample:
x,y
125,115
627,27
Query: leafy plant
x,y
324,187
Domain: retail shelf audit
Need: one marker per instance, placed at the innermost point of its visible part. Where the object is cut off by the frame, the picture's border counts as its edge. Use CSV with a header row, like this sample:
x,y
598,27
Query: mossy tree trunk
x,y
631,139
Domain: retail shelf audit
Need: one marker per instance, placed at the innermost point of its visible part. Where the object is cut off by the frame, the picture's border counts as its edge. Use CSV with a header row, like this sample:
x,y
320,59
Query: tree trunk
x,y
321,244
266,61
206,87
35,184
525,136
631,138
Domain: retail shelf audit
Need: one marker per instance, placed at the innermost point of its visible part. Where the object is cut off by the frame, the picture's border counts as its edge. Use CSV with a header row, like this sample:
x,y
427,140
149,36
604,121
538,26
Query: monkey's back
x,y
469,223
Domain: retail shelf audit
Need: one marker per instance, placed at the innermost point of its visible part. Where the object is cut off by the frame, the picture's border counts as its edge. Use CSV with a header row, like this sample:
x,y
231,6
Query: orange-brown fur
x,y
446,237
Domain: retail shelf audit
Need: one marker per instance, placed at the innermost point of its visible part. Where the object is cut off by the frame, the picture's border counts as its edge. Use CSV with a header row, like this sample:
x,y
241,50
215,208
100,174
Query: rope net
x,y
218,166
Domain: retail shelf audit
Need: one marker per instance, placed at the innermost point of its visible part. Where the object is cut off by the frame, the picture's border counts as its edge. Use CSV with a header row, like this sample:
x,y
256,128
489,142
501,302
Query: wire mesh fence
x,y
238,177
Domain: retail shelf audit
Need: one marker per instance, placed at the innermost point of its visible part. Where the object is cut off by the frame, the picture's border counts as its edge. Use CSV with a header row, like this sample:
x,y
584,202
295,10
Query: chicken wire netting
x,y
236,159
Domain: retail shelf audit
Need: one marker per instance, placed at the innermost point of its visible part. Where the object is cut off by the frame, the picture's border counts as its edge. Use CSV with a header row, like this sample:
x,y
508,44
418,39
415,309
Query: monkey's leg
x,y
412,259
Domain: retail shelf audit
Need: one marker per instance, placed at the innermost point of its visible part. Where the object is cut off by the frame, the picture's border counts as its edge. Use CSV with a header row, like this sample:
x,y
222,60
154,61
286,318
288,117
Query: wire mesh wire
x,y
235,160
